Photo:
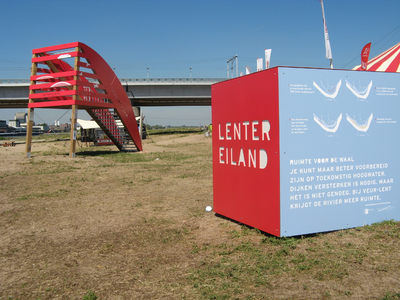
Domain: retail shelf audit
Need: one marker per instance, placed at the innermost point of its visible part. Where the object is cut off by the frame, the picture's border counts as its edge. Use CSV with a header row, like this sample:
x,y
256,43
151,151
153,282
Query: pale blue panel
x,y
339,148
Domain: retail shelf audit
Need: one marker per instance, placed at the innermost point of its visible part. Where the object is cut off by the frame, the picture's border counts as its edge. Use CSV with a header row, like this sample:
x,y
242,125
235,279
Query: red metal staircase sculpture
x,y
89,84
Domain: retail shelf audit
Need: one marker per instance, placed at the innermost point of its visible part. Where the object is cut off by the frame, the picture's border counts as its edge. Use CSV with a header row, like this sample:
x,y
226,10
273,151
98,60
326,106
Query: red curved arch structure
x,y
88,83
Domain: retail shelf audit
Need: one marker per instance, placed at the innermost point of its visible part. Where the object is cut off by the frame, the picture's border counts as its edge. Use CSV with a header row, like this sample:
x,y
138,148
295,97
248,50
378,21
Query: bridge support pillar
x,y
136,110
138,113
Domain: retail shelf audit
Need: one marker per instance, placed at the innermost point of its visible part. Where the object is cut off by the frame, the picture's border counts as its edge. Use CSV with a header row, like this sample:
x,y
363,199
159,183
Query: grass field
x,y
112,225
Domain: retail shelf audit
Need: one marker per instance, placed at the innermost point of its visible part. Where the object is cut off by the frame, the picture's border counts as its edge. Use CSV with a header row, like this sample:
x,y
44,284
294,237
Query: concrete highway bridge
x,y
142,92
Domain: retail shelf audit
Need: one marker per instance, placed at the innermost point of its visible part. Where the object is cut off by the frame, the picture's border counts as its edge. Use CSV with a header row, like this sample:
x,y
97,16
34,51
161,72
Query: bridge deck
x,y
141,91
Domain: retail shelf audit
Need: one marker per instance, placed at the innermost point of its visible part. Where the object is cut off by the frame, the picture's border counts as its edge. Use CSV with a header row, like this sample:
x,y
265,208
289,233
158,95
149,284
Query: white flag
x,y
259,64
267,58
248,70
327,44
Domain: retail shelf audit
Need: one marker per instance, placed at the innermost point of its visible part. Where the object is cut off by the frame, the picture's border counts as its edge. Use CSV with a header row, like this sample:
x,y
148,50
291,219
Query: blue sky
x,y
170,37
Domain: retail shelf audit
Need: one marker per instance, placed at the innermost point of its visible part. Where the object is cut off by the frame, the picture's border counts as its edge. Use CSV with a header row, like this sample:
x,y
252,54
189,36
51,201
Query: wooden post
x,y
74,116
29,125
29,129
72,150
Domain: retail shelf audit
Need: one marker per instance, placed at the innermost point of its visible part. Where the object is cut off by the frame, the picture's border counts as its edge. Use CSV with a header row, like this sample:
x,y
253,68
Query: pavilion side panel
x,y
339,143
245,119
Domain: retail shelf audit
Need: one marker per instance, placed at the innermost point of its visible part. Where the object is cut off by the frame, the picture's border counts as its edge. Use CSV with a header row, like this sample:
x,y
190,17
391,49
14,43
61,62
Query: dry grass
x,y
134,226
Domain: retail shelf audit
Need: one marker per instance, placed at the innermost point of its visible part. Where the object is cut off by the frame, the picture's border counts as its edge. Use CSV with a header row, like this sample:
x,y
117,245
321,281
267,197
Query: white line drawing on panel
x,y
328,127
360,127
359,94
329,93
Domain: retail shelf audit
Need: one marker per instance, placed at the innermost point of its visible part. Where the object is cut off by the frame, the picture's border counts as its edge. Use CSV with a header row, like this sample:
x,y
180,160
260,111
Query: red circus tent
x,y
388,61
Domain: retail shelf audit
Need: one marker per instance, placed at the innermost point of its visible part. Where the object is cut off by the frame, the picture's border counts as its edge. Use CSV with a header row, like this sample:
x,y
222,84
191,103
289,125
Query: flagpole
x,y
327,43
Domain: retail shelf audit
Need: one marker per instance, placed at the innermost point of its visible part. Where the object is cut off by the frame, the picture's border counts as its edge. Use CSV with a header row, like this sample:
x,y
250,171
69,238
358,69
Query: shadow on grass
x,y
268,235
97,153
173,131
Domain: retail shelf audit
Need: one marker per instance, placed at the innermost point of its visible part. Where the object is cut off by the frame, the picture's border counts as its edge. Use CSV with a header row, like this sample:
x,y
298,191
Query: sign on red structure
x,y
245,122
298,151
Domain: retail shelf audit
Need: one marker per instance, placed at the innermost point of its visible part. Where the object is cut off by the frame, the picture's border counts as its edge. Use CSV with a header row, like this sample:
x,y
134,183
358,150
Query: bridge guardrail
x,y
172,79
15,81
127,80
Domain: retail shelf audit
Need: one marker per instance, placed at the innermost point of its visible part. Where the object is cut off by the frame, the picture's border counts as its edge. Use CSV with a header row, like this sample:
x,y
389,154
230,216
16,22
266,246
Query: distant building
x,y
40,128
3,126
60,127
22,117
65,127
14,123
19,122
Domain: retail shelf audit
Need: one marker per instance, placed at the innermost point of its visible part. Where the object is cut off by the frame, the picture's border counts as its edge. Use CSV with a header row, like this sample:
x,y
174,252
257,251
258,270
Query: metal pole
x,y
237,66
227,66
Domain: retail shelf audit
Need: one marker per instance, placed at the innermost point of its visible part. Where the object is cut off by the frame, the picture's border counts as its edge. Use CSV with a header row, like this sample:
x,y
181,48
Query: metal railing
x,y
133,80
15,81
207,80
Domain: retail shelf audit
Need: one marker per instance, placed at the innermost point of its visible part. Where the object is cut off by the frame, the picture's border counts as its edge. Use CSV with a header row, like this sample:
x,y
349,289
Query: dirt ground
x,y
134,226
